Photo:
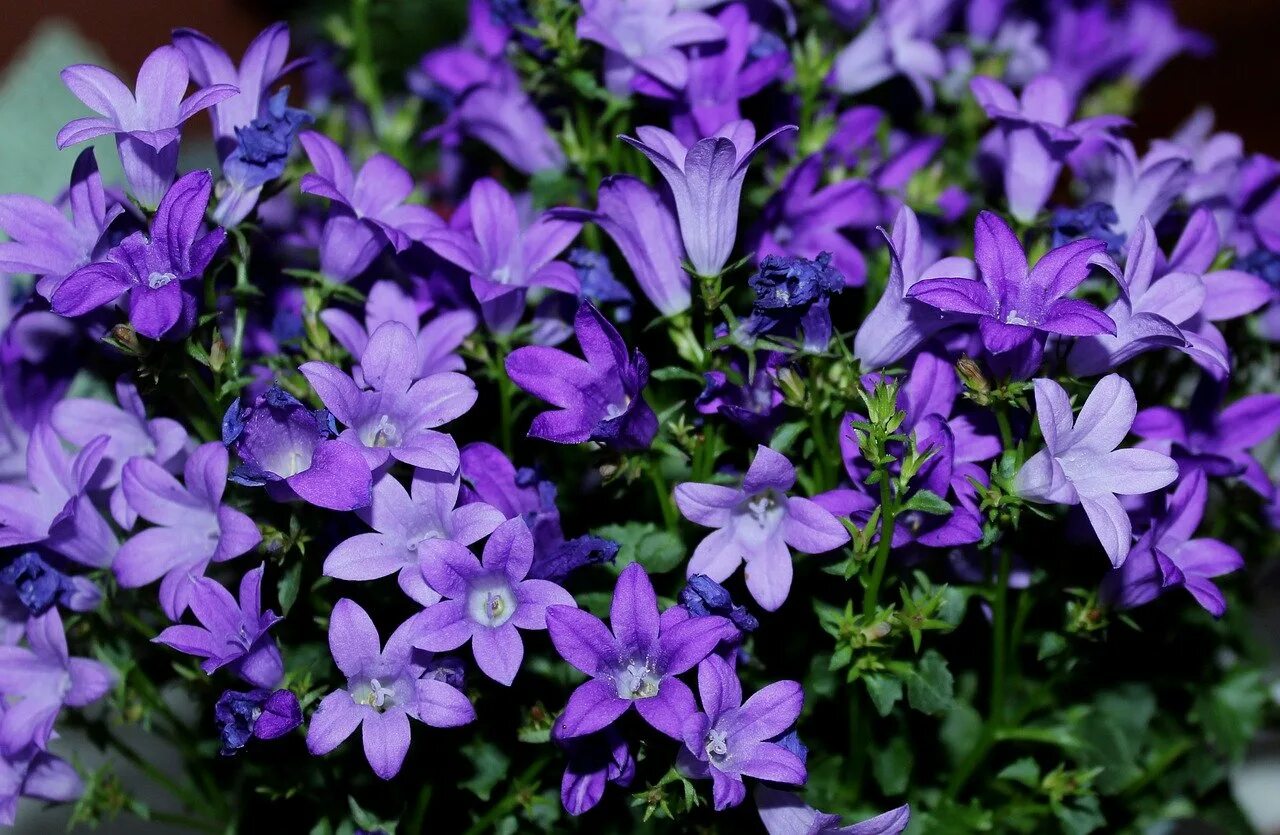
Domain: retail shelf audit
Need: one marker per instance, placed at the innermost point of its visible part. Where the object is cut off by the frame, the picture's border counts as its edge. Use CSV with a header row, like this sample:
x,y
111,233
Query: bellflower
x,y
35,586
153,270
37,680
1013,304
896,41
635,663
1136,187
703,596
594,761
412,531
1168,555
706,181
145,122
489,601
757,523
385,688
261,714
730,740
230,634
599,398
1154,36
753,402
793,291
644,36
1081,465
1093,220
261,153
785,813
36,774
394,417
193,527
290,449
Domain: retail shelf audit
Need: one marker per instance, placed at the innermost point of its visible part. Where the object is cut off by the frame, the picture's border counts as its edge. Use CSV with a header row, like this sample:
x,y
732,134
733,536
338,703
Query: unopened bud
x,y
971,374
217,354
792,386
125,338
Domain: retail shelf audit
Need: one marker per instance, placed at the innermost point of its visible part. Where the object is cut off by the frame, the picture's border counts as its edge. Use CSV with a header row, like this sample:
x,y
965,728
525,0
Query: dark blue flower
x,y
788,282
703,596
36,584
242,715
599,286
1095,220
567,557
265,142
1263,263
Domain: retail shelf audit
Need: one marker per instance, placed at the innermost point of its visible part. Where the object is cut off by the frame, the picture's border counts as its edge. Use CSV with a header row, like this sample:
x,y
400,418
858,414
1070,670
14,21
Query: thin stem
x,y
999,639
888,519
670,517
1006,431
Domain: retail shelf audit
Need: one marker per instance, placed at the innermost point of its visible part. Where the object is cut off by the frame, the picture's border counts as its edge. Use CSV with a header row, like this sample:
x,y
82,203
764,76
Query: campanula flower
x,y
1136,186
897,41
260,714
594,761
36,774
786,813
644,36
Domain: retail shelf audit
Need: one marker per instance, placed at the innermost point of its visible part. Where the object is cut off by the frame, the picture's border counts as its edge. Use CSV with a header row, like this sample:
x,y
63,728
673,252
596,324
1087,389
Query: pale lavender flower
x,y
36,774
897,41
786,813
1136,187
644,36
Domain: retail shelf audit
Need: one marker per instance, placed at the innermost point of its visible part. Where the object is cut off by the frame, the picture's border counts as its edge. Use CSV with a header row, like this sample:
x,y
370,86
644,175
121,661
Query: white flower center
x,y
157,280
491,604
385,433
637,680
1012,318
717,746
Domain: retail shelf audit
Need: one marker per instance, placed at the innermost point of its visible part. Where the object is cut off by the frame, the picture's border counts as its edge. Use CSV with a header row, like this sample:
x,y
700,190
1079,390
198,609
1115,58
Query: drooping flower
x,y
412,531
489,601
230,634
594,761
757,523
261,714
393,416
35,586
644,36
153,270
634,664
385,688
731,738
289,449
599,398
897,41
706,182
193,526
793,293
36,774
703,596
145,122
1081,465
786,813
752,401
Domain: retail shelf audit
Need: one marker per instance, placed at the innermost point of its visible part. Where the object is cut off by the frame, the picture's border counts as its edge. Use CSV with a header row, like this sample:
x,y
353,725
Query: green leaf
x,y
1080,817
1051,643
1232,711
786,436
884,691
1025,771
675,372
891,766
961,729
490,765
287,588
657,550
930,688
926,501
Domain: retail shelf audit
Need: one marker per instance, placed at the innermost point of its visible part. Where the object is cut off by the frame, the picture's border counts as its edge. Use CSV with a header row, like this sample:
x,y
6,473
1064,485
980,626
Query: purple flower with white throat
x,y
757,523
393,416
152,269
145,122
193,526
230,634
644,36
385,688
898,41
634,664
489,601
599,398
706,182
290,449
786,813
731,739
1081,465
412,531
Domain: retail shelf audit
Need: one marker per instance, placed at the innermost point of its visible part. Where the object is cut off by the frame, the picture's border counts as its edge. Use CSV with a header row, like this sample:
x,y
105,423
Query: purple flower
x,y
1136,187
703,596
489,601
145,122
193,527
152,269
36,774
793,293
897,41
384,689
1081,465
599,398
260,155
731,739
1013,304
635,664
1152,32
644,36
505,258
706,182
757,523
1093,220
413,531
753,402
43,241
37,680
1167,555
36,587
230,633
243,715
290,449
785,813
395,417
594,761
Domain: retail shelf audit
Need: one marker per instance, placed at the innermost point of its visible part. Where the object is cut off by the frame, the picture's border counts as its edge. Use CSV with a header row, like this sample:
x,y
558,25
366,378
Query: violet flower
x,y
289,449
594,761
753,402
260,156
703,596
1136,187
644,36
897,41
193,527
230,634
384,689
412,531
394,417
634,664
1092,220
153,270
786,813
145,122
35,774
260,714
488,601
759,524
35,587
1081,465
37,680
706,182
730,740
599,398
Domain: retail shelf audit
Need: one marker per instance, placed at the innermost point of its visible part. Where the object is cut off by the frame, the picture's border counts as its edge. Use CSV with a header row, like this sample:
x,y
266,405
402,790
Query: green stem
x,y
999,639
189,798
670,517
888,519
1002,420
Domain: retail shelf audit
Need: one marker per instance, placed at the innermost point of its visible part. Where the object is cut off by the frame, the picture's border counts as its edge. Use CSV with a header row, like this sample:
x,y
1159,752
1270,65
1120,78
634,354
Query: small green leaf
x,y
1025,771
1051,643
884,691
891,766
930,688
675,372
287,588
490,765
926,501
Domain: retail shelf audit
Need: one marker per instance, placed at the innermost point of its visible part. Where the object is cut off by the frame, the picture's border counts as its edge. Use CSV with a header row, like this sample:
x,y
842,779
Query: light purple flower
x,y
759,524
412,531
786,813
385,688
489,601
1154,37
730,740
706,182
644,36
634,664
393,416
37,680
36,774
230,633
193,527
1081,465
1135,187
152,269
897,41
145,122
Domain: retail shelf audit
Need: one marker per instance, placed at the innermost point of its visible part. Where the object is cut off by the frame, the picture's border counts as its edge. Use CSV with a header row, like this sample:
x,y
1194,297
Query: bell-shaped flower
x,y
644,36
594,761
786,813
38,775
1136,187
896,42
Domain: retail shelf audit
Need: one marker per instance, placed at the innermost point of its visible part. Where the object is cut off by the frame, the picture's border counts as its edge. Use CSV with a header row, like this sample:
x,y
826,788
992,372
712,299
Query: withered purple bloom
x,y
263,714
